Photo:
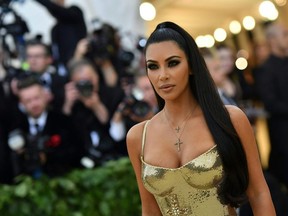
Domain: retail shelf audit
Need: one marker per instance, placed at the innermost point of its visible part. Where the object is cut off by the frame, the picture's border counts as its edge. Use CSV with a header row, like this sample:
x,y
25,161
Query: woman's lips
x,y
166,87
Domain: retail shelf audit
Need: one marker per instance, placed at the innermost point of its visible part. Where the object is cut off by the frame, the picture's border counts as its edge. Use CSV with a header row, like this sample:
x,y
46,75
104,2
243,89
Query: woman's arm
x,y
133,140
258,192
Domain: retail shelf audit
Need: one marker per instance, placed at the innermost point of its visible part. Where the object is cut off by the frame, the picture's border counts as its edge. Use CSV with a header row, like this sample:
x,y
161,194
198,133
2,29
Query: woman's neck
x,y
177,110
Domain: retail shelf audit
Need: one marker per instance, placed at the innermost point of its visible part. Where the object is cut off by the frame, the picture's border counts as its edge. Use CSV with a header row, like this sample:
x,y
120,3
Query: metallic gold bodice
x,y
188,190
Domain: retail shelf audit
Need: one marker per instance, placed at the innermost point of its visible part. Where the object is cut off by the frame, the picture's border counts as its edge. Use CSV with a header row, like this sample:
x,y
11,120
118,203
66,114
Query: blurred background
x,y
82,54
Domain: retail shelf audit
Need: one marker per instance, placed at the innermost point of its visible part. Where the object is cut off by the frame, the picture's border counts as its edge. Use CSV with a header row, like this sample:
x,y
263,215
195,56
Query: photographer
x,y
40,64
91,105
68,30
139,105
41,140
102,47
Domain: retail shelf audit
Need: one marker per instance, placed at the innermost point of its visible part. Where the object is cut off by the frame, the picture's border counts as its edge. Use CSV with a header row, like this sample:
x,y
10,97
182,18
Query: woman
x,y
195,156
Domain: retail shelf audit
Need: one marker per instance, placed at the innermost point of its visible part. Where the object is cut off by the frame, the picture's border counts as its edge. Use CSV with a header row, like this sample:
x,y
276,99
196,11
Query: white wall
x,y
123,14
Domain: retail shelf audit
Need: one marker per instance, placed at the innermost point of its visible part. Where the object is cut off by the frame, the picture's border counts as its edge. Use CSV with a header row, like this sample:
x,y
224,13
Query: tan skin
x,y
168,72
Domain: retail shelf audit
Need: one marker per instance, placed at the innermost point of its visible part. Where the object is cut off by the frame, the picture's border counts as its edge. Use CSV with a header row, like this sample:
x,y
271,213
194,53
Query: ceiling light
x,y
249,23
200,41
209,41
235,27
241,63
220,34
268,10
147,11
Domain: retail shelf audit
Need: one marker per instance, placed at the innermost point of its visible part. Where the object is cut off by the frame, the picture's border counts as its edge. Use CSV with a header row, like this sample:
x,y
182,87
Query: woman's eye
x,y
152,66
173,63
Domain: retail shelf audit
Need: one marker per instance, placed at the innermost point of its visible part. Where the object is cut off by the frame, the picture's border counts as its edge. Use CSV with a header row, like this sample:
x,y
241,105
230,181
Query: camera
x,y
15,27
18,27
101,44
26,149
135,105
85,87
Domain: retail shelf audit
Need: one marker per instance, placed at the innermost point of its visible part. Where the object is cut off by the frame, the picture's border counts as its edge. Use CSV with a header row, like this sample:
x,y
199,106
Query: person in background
x,y
91,106
144,86
139,104
195,156
48,142
272,87
231,85
238,86
103,48
69,29
40,63
279,198
217,74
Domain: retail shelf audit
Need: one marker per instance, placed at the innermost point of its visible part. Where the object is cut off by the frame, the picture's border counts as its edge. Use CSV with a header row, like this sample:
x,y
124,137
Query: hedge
x,y
104,191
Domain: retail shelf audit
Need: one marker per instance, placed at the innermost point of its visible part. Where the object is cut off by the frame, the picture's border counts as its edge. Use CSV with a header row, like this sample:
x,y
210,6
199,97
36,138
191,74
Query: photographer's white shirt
x,y
41,121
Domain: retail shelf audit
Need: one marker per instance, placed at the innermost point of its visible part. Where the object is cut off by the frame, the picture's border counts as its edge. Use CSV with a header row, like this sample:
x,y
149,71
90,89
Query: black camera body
x,y
99,48
19,26
136,107
26,151
101,44
85,87
133,110
140,108
34,145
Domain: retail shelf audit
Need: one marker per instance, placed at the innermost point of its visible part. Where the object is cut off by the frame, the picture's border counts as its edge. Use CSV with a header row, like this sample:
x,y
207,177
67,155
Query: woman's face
x,y
168,69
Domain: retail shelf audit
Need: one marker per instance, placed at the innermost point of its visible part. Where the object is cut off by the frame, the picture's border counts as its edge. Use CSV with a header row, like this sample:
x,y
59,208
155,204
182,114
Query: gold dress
x,y
188,190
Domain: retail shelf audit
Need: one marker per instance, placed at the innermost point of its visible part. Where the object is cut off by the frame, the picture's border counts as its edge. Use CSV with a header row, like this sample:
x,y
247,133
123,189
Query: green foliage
x,y
103,191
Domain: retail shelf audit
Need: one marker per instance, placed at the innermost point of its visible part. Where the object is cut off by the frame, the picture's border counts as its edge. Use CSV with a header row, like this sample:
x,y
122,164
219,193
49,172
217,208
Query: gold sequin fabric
x,y
188,190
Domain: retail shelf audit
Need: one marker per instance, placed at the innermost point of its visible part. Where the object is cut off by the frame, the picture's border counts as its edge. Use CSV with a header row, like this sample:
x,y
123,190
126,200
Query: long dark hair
x,y
233,188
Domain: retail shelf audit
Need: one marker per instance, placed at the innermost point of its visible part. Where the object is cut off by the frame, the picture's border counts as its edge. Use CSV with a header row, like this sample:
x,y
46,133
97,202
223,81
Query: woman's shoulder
x,y
134,138
135,132
237,116
138,128
235,111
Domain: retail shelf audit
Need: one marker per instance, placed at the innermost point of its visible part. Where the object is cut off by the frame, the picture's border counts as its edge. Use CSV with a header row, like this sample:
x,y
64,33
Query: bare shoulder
x,y
134,137
136,131
238,118
235,113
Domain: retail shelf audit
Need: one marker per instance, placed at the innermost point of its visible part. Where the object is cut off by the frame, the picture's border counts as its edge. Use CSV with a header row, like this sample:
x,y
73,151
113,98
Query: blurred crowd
x,y
261,92
69,104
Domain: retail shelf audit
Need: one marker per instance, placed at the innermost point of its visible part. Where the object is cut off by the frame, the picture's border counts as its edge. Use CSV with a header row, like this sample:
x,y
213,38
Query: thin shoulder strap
x,y
144,138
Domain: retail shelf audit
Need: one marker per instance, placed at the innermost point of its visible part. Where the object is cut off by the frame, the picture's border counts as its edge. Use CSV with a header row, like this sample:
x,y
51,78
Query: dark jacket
x,y
62,146
68,30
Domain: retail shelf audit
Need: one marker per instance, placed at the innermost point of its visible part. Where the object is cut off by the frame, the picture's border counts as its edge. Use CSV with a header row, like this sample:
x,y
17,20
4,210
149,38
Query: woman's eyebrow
x,y
169,58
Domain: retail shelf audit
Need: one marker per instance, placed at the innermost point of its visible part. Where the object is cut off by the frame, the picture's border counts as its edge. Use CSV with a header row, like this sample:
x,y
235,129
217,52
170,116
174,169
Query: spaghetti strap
x,y
144,138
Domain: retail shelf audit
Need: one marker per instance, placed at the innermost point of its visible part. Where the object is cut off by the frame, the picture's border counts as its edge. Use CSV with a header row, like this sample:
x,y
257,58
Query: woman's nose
x,y
164,75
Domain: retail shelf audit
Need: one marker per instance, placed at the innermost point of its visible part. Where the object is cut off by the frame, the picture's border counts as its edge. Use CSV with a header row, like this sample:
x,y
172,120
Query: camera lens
x,y
85,87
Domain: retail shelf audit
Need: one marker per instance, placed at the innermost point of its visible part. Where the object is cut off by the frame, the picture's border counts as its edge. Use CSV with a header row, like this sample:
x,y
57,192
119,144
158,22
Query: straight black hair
x,y
232,190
